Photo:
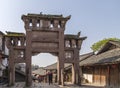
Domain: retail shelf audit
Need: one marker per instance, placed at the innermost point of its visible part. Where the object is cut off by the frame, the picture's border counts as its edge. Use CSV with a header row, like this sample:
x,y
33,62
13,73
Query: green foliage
x,y
96,46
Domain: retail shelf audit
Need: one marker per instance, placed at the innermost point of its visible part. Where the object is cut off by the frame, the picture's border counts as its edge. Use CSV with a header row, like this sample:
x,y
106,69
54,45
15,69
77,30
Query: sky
x,y
96,19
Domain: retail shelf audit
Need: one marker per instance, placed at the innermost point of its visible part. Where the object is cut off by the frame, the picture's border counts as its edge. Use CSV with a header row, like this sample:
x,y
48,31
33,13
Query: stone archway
x,y
44,34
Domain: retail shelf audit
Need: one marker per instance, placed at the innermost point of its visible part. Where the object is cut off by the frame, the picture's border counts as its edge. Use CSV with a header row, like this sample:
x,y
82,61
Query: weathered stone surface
x,y
44,33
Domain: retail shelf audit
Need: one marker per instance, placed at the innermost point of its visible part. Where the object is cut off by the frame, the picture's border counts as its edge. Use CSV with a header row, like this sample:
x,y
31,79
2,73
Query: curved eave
x,y
1,33
4,56
74,37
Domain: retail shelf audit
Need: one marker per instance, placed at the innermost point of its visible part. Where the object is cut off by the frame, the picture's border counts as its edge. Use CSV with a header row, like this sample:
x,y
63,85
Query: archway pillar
x,y
61,57
75,68
11,68
28,53
60,73
73,74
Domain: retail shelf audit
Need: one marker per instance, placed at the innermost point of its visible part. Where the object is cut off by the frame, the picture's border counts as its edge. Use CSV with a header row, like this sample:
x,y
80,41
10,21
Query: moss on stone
x,y
14,34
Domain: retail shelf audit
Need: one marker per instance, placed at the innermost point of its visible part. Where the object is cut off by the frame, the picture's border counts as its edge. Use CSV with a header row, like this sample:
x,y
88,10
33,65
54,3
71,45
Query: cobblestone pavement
x,y
46,85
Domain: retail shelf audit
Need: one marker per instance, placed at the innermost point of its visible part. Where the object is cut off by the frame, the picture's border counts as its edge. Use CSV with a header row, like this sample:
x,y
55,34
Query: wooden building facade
x,y
103,68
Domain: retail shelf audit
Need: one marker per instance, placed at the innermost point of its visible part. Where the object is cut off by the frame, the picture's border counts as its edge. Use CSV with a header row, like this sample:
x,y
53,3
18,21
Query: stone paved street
x,y
35,85
46,85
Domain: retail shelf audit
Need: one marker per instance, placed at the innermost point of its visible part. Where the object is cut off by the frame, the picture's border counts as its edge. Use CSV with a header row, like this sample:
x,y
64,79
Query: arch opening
x,y
44,59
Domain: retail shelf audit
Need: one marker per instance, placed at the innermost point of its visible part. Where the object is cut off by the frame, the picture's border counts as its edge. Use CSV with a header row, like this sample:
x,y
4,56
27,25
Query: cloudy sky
x,y
96,19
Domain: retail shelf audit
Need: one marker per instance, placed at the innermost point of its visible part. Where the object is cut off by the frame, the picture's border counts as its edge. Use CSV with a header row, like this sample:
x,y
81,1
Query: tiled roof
x,y
82,57
48,16
40,71
108,57
108,45
85,56
14,34
51,67
54,66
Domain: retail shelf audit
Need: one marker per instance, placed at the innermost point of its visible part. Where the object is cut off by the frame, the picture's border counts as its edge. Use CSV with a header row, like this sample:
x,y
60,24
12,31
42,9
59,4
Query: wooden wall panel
x,y
103,76
114,76
97,75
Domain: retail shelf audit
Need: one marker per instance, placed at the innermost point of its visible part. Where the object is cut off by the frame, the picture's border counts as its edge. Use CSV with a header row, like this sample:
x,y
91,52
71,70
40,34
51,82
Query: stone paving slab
x,y
46,85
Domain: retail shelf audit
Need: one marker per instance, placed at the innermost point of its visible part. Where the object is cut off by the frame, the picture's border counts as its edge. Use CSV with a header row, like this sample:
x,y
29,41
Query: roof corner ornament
x,y
79,33
40,13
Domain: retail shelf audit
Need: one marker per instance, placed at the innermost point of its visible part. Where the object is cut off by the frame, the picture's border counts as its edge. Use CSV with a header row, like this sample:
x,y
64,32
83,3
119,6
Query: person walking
x,y
39,79
50,77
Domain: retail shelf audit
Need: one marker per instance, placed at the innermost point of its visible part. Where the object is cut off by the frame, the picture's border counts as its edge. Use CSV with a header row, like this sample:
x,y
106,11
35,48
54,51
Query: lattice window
x,y
68,55
67,43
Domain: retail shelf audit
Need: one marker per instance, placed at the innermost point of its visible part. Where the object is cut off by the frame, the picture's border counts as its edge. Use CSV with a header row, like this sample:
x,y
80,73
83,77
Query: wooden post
x,y
118,74
108,76
93,75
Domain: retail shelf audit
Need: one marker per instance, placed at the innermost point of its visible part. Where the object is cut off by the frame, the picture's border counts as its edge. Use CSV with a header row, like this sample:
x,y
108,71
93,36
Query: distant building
x,y
3,59
1,41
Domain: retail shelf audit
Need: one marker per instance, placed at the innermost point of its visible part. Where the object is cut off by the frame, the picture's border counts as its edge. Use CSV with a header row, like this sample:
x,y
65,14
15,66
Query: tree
x,y
96,46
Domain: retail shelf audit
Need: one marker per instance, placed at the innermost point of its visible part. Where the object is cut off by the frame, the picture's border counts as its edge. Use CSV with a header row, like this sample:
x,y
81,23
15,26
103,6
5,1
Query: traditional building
x,y
53,69
3,59
103,68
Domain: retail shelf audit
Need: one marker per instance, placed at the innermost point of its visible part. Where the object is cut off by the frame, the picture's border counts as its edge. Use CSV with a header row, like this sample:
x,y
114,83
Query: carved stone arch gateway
x,y
44,34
